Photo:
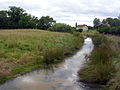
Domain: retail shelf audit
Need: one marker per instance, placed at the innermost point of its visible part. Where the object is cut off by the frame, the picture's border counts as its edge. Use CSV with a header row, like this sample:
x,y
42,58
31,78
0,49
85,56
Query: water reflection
x,y
60,77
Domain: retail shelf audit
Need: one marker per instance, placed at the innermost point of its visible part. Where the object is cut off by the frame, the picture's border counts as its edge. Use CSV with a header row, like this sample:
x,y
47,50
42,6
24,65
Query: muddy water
x,y
60,77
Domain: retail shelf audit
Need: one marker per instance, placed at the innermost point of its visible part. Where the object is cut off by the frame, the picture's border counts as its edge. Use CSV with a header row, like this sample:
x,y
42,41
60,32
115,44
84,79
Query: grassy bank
x,y
103,64
114,82
24,50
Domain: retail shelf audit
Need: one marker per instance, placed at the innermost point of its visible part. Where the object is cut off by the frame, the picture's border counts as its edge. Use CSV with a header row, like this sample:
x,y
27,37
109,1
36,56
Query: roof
x,y
108,25
81,25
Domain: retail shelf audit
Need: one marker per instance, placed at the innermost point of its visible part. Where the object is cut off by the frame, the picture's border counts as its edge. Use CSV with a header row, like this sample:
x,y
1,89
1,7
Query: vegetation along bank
x,y
103,64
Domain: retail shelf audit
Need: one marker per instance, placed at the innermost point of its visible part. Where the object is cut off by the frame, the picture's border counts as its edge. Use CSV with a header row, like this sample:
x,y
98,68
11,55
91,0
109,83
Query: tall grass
x,y
100,67
24,50
114,82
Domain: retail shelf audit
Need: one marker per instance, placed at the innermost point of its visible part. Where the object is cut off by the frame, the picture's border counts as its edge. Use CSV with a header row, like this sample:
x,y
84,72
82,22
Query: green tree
x,y
104,21
16,17
15,14
116,22
45,22
96,22
4,19
28,21
109,21
113,28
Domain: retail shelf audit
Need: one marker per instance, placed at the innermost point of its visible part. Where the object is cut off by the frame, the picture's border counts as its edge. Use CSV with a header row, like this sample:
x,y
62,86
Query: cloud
x,y
68,11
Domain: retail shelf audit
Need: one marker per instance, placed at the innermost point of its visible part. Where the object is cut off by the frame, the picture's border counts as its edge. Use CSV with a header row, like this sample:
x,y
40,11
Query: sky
x,y
68,11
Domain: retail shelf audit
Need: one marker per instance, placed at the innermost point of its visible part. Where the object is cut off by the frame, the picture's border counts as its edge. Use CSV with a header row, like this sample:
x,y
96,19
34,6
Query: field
x,y
25,50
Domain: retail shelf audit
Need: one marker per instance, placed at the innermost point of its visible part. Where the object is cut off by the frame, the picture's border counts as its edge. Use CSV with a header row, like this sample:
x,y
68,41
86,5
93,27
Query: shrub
x,y
110,30
79,30
61,27
104,30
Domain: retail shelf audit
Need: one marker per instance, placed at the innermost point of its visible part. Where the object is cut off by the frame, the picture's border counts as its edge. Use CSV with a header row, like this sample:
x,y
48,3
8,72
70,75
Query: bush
x,y
61,27
104,30
110,30
79,30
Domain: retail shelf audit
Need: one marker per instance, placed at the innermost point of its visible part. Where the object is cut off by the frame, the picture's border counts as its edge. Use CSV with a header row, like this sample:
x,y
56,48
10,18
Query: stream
x,y
63,76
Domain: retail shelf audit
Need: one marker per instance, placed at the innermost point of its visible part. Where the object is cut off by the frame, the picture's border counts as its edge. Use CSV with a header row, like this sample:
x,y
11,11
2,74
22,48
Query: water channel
x,y
63,76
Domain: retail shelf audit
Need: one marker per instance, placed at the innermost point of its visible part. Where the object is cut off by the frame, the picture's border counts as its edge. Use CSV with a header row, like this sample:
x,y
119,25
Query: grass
x,y
99,68
114,82
24,50
103,66
89,33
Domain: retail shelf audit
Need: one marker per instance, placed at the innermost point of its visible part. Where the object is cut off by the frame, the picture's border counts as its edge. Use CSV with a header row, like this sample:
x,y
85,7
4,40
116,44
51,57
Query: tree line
x,y
16,17
108,25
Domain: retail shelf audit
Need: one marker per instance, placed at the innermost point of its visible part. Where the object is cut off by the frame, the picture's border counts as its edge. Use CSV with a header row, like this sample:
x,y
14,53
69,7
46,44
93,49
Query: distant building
x,y
83,27
107,25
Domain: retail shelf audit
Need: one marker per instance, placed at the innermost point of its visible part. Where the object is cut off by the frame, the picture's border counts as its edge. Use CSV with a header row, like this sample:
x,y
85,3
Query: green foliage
x,y
15,14
79,30
90,28
61,27
110,30
45,22
104,30
104,21
4,21
109,26
16,18
28,21
96,22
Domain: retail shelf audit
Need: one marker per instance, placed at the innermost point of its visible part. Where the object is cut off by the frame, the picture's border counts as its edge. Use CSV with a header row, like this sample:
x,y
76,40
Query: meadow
x,y
24,50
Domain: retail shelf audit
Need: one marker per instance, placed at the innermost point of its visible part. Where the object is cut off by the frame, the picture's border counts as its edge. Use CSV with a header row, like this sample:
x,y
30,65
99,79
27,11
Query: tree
x,y
90,28
4,19
116,22
96,22
45,22
16,17
110,25
28,21
104,21
15,14
109,21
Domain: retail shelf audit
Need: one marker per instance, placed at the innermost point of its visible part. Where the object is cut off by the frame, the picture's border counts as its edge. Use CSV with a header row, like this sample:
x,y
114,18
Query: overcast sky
x,y
68,11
